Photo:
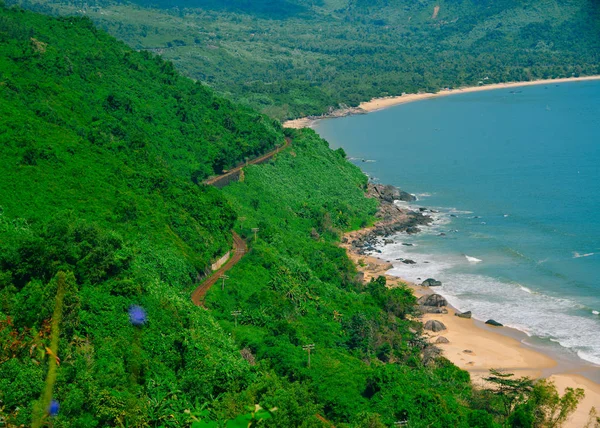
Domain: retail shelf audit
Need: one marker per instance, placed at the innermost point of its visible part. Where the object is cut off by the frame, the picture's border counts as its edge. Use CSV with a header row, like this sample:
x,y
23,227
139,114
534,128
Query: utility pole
x,y
308,348
235,315
255,230
223,277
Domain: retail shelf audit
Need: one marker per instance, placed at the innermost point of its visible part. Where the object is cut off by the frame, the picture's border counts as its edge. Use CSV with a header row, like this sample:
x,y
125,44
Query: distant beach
x,y
381,103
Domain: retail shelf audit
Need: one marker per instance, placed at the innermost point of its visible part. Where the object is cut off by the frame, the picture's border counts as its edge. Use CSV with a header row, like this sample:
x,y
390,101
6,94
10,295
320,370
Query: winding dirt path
x,y
240,248
239,245
235,171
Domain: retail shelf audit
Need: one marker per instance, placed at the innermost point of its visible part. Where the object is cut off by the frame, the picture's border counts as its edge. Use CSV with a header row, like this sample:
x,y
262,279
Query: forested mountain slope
x,y
104,230
292,58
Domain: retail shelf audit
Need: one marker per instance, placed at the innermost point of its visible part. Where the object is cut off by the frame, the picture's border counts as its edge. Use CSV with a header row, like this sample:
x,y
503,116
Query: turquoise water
x,y
515,176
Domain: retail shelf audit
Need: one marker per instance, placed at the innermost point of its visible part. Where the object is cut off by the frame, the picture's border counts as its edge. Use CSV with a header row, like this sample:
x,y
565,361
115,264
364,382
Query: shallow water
x,y
515,176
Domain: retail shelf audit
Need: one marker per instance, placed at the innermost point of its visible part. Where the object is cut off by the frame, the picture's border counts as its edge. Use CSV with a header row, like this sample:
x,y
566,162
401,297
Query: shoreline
x,y
377,104
476,347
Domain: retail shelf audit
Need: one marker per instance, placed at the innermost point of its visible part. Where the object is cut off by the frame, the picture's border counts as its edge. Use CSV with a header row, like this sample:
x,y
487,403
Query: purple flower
x,y
137,315
53,408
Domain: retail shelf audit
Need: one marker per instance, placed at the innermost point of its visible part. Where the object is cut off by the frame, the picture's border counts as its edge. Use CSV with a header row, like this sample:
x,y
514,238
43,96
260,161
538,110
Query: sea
x,y
512,178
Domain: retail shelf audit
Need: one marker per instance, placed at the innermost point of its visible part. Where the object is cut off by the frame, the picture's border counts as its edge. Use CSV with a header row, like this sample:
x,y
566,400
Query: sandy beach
x,y
477,348
380,103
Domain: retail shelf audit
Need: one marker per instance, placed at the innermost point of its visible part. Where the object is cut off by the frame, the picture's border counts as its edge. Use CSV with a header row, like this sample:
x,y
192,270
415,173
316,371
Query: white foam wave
x,y
525,289
514,305
577,255
473,259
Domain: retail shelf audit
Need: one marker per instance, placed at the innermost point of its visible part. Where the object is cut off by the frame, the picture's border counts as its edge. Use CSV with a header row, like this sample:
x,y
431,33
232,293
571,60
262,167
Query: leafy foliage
x,y
302,57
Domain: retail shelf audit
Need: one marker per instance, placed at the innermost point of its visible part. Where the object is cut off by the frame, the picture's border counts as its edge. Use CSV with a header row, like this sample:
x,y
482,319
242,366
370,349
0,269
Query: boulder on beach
x,y
408,262
432,300
434,325
430,282
463,314
432,310
430,355
442,339
494,323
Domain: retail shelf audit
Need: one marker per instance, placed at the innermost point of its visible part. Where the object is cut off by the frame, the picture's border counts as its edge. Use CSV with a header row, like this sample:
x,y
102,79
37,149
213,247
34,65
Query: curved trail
x,y
239,245
237,169
240,248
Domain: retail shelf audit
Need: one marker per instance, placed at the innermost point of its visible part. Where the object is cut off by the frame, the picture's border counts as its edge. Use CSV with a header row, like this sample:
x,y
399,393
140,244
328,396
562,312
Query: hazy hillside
x,y
293,58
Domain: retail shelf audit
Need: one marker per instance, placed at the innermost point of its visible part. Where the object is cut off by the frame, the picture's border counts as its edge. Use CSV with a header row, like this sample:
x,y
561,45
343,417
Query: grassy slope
x,y
345,51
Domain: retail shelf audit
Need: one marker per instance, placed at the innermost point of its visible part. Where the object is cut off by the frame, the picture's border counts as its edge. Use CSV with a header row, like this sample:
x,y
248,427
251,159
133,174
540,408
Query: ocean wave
x,y
576,255
473,259
559,320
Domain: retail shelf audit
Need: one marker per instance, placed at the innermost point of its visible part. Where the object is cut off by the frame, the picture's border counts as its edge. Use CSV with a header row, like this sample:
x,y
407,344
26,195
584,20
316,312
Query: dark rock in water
x,y
390,194
452,215
434,211
494,323
434,325
463,314
432,310
388,241
422,209
408,262
412,230
442,339
425,261
407,245
430,282
432,300
441,234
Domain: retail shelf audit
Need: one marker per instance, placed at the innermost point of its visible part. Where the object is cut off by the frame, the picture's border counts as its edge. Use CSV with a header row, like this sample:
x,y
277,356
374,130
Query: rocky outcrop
x,y
434,325
463,314
442,339
432,300
390,193
430,282
392,220
494,323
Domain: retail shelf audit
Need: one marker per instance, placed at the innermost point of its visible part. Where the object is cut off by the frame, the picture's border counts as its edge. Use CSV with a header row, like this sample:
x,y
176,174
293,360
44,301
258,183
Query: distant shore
x,y
381,103
474,346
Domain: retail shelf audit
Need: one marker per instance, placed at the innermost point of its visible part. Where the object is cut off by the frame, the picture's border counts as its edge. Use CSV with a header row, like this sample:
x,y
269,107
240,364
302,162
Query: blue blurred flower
x,y
53,408
137,315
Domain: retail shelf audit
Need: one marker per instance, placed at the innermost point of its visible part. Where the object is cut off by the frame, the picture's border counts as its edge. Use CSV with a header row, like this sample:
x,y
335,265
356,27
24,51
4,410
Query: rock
x,y
390,193
433,310
442,339
430,354
360,277
463,314
441,234
452,215
494,323
432,300
422,209
468,351
434,325
430,282
408,262
406,244
388,241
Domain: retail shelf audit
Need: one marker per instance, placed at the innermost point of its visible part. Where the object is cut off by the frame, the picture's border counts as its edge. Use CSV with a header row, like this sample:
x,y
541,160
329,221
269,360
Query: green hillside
x,y
105,228
301,57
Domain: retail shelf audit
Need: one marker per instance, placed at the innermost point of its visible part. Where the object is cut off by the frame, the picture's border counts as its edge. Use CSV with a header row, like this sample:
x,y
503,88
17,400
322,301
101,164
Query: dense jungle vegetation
x,y
291,58
105,228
